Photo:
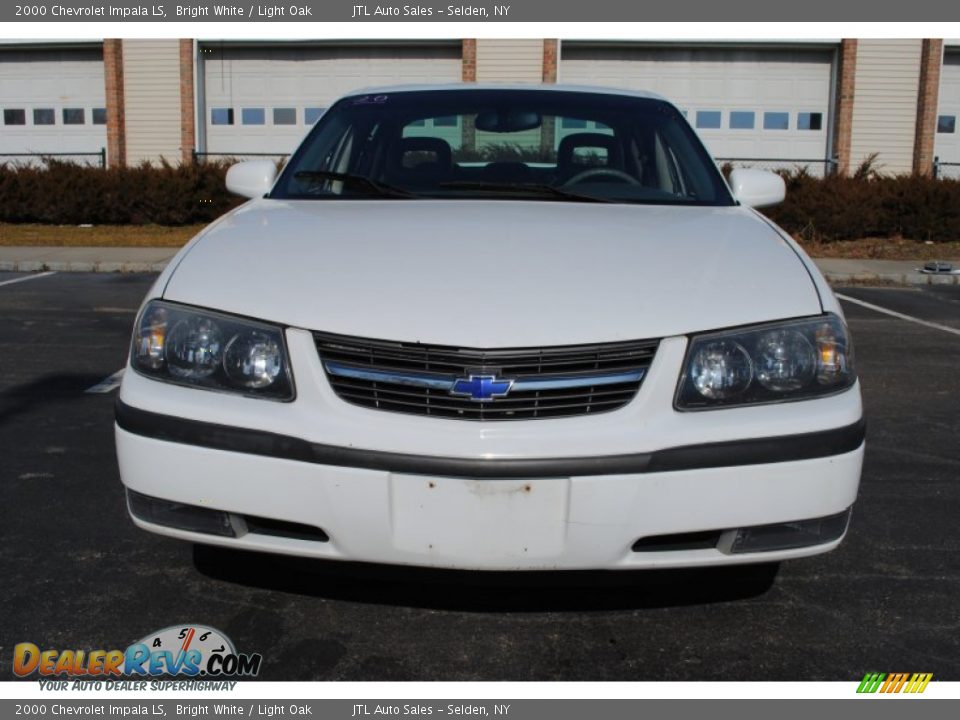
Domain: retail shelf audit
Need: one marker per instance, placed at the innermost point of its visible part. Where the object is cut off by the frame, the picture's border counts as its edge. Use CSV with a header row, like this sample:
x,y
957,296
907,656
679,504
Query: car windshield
x,y
517,144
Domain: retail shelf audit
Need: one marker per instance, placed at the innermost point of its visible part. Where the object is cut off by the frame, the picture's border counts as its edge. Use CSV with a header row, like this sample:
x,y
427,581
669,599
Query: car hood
x,y
479,273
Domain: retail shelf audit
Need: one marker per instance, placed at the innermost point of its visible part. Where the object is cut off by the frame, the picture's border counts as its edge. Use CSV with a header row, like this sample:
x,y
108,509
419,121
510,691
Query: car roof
x,y
466,87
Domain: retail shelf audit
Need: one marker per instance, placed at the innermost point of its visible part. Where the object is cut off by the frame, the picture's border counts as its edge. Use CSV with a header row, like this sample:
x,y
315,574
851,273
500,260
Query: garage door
x,y
948,117
745,103
263,99
53,101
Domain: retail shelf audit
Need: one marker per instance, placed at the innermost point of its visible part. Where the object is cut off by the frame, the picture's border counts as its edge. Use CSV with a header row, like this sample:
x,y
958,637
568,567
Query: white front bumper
x,y
551,523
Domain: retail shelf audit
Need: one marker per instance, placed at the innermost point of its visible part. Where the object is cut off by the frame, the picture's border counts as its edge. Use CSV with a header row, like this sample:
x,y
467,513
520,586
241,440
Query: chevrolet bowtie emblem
x,y
482,388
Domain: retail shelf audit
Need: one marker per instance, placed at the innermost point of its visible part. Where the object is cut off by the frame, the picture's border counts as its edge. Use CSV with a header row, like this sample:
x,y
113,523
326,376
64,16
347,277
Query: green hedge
x,y
822,209
63,193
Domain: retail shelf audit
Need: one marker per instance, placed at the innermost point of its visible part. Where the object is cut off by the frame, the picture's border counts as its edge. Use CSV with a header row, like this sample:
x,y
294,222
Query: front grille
x,y
546,382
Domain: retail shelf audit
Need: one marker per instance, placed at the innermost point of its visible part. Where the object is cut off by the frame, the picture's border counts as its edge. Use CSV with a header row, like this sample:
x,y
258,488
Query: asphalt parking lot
x,y
77,574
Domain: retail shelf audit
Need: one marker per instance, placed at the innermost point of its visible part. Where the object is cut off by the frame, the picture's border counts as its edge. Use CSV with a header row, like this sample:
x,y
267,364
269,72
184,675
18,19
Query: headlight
x,y
210,350
775,362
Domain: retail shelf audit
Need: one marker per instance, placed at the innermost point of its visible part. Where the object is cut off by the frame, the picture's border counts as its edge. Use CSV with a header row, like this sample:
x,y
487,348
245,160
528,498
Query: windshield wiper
x,y
534,188
360,182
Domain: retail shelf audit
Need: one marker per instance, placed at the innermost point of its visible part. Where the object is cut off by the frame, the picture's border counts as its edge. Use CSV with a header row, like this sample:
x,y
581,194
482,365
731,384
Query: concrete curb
x,y
80,266
112,266
910,278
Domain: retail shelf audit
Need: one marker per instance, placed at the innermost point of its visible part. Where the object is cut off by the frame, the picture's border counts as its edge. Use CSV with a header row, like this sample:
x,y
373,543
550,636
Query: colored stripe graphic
x,y
919,682
871,682
894,682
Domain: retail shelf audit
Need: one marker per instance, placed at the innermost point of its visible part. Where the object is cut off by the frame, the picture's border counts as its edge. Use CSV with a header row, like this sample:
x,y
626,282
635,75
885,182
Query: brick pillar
x,y
549,61
468,73
931,59
843,121
469,62
116,123
187,109
548,130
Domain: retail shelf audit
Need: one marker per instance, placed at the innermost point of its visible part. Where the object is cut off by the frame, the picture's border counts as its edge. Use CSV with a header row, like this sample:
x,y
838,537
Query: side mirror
x,y
252,178
757,188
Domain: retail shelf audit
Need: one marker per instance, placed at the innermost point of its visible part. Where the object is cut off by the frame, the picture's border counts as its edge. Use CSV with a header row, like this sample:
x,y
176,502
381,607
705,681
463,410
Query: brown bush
x,y
868,204
63,193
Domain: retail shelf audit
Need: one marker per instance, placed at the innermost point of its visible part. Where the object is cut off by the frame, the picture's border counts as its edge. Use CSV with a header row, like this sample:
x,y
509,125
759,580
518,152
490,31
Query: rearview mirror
x,y
252,178
504,122
757,188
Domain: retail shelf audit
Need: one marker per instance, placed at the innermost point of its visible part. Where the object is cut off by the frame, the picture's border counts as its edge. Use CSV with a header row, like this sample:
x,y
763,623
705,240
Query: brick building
x,y
820,103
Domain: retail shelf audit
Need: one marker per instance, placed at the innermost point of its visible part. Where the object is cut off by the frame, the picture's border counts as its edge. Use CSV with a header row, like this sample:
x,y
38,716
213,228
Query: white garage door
x,y
52,101
947,146
264,99
745,103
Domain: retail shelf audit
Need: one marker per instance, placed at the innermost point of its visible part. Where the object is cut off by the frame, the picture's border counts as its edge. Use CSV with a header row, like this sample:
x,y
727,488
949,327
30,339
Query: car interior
x,y
616,156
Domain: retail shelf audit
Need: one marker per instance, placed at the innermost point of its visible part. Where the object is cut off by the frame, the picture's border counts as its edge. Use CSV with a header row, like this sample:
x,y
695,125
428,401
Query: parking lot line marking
x,y
894,313
28,277
110,309
107,384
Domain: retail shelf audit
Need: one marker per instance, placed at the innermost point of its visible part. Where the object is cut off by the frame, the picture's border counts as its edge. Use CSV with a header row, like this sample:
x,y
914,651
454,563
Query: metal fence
x,y
99,158
201,156
949,170
815,166
820,167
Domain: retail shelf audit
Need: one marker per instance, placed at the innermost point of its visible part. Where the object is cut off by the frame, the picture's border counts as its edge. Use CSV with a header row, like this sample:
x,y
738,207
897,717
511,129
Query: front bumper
x,y
585,522
574,493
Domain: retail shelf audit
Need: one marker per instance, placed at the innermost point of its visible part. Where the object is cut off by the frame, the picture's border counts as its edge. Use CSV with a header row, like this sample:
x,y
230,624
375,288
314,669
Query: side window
x,y
334,157
341,157
670,162
669,175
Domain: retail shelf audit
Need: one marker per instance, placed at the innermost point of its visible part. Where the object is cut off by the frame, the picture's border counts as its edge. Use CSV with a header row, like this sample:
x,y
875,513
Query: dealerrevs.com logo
x,y
180,650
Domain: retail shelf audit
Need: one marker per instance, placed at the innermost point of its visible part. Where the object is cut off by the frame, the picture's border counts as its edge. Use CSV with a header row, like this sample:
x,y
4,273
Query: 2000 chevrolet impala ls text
x,y
495,328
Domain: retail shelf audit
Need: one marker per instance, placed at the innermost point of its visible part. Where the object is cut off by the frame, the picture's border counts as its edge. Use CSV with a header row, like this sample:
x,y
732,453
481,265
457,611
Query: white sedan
x,y
495,328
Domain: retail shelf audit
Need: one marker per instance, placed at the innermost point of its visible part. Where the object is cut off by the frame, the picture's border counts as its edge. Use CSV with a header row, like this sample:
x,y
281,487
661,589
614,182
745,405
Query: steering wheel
x,y
601,172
